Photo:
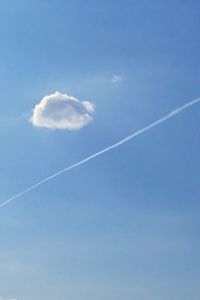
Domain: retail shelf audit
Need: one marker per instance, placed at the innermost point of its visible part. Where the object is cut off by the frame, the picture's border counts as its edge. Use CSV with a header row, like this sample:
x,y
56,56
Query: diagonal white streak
x,y
163,119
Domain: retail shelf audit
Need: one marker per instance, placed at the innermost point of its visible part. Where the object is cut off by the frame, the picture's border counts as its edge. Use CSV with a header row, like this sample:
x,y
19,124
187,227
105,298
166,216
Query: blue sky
x,y
126,225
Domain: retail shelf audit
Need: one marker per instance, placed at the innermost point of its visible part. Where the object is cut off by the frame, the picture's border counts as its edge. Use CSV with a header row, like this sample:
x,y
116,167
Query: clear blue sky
x,y
126,225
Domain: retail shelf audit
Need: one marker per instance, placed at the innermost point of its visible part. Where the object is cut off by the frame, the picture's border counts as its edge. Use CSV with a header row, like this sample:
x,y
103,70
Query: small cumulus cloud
x,y
61,111
116,78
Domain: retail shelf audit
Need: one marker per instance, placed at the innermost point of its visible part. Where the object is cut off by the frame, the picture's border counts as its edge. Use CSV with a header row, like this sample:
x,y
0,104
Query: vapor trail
x,y
109,148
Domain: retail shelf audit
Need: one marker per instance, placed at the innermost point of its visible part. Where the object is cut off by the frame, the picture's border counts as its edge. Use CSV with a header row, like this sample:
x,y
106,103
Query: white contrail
x,y
126,139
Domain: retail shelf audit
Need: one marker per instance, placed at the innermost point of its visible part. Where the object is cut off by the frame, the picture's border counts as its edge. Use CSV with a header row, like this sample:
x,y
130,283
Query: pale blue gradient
x,y
124,226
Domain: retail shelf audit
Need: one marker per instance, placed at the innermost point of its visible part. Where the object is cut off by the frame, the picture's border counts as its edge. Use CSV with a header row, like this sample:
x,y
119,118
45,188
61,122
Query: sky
x,y
75,77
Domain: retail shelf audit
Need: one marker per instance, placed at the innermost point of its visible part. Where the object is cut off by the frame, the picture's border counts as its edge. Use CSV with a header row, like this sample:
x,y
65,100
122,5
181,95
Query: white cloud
x,y
61,111
116,78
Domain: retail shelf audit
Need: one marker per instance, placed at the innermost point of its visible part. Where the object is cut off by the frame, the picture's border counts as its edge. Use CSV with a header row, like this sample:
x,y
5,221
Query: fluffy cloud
x,y
116,78
60,111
